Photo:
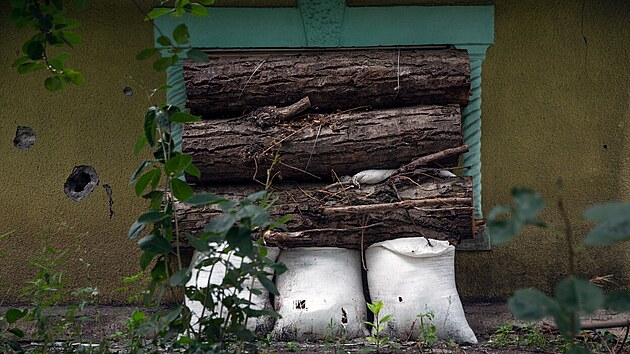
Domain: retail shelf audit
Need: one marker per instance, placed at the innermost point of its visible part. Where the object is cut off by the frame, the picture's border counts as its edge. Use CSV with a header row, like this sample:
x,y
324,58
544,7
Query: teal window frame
x,y
332,24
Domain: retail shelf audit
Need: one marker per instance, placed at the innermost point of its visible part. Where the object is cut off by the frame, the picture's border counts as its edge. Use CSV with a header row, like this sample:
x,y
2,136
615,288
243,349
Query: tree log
x,y
343,215
231,85
242,149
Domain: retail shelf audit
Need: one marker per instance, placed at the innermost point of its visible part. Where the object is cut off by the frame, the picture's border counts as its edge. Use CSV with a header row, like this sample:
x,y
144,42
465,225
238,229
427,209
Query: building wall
x,y
554,106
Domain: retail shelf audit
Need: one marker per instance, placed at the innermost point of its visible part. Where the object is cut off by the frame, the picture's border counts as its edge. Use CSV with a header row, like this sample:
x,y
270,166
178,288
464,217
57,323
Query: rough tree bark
x,y
237,149
342,215
231,85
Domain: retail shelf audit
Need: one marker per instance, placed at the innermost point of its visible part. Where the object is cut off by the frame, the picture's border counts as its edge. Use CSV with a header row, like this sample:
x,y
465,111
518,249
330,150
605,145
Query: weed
x,y
378,325
292,346
427,335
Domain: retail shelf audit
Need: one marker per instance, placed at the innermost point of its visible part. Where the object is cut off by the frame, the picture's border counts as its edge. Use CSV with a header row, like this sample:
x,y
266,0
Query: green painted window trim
x,y
331,24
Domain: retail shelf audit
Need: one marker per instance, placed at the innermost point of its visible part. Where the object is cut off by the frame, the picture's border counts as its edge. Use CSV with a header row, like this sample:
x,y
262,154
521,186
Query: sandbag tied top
x,y
321,295
413,276
230,85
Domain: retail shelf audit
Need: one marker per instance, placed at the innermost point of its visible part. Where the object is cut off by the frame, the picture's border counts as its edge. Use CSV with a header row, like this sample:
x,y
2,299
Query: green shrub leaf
x,y
204,199
530,305
155,244
14,315
197,55
157,12
579,295
147,53
181,277
181,190
180,34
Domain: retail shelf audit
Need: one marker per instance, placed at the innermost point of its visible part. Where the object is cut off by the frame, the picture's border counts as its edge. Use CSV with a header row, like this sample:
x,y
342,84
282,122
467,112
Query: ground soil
x,y
484,319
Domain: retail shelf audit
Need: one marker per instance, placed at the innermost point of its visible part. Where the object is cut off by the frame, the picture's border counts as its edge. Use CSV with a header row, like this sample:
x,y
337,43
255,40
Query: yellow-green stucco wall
x,y
551,102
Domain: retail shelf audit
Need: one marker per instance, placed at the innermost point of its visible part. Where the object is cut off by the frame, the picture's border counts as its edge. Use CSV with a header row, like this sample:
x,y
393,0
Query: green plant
x,y
573,296
378,325
9,334
292,346
161,181
427,335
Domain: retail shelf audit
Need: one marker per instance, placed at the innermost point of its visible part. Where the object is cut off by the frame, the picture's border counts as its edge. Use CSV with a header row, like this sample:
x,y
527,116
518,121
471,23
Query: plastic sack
x,y
199,279
321,294
411,277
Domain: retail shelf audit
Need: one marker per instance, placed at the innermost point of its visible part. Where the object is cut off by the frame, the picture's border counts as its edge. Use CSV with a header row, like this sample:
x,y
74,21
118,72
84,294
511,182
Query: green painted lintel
x,y
241,28
418,25
362,26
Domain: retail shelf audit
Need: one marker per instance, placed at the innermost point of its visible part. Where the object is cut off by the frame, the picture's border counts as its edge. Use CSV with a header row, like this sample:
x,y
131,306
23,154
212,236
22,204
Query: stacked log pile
x,y
317,123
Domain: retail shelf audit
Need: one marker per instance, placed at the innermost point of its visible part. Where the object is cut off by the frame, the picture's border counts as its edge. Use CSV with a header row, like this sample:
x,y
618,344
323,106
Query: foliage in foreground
x,y
573,296
161,180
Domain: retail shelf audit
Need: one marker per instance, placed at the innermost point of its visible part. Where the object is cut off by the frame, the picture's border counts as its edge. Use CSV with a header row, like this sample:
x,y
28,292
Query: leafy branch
x,y
573,296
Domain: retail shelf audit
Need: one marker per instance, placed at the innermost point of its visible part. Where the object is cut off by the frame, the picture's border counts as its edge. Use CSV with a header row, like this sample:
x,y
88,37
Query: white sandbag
x,y
321,294
411,277
199,278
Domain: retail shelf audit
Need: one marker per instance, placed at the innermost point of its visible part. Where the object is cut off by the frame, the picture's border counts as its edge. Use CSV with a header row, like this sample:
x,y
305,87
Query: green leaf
x,y
180,34
151,217
157,12
19,61
74,76
135,229
14,315
146,259
206,2
150,125
155,244
147,53
619,301
81,5
612,230
181,189
257,215
527,204
53,83
502,229
71,38
269,285
162,63
197,243
152,177
530,305
165,41
576,349
140,143
603,212
197,55
240,239
29,67
204,199
193,170
17,332
579,295
196,10
182,117
176,165
181,277
386,318
34,49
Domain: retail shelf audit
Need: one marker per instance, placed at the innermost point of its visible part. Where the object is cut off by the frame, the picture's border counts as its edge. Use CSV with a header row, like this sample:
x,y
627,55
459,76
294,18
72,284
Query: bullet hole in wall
x,y
128,91
81,182
605,146
24,138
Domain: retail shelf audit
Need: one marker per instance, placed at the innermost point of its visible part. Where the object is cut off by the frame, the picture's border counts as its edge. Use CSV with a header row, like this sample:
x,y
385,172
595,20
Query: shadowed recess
x,y
24,138
81,182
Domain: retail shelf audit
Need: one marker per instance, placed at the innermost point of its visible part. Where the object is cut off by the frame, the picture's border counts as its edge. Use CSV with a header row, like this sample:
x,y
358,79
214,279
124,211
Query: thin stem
x,y
569,234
